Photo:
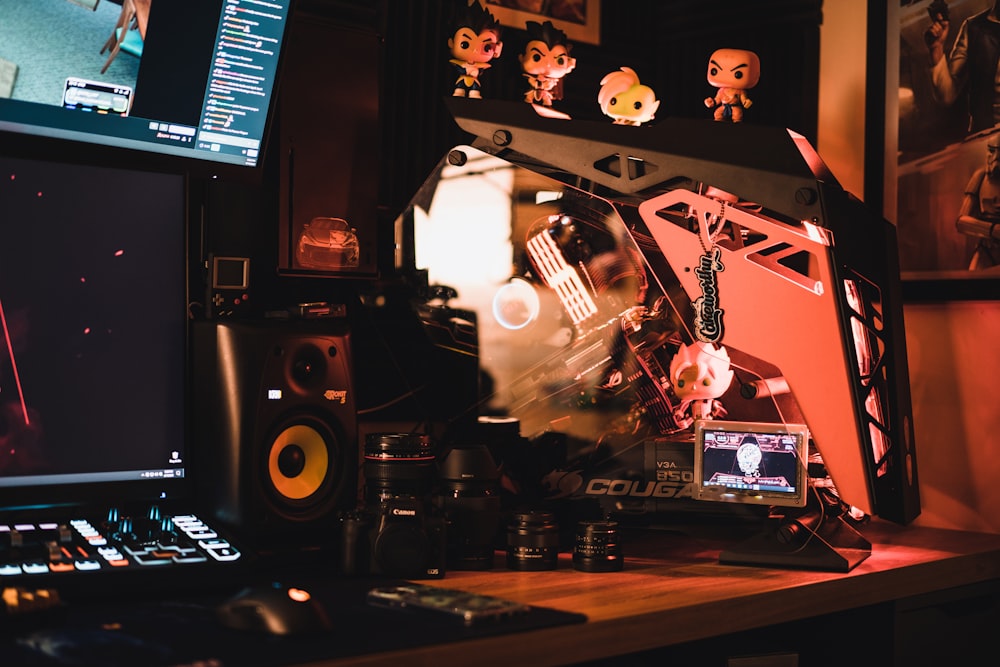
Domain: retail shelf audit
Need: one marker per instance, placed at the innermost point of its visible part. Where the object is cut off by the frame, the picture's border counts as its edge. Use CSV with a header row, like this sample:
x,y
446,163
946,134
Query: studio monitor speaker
x,y
275,427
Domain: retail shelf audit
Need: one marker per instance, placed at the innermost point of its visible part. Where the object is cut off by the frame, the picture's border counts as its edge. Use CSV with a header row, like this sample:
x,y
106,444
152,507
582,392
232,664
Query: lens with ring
x,y
533,541
597,547
398,465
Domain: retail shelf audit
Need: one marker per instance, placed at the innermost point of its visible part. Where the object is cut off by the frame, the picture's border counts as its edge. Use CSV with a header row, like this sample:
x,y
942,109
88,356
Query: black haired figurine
x,y
545,62
475,42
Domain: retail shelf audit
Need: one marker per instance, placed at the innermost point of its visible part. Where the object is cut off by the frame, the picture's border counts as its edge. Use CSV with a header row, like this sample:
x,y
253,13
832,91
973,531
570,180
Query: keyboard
x,y
90,553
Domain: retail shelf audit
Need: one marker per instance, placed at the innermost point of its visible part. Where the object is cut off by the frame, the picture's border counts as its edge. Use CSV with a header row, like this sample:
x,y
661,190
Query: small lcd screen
x,y
750,462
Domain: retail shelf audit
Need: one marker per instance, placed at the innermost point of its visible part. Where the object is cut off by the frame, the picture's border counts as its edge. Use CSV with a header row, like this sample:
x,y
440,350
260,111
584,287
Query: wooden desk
x,y
673,590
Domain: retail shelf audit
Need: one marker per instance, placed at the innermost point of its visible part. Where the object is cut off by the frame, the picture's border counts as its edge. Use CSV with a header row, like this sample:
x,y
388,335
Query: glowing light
x,y
119,253
866,365
299,595
13,365
516,305
815,233
560,276
544,196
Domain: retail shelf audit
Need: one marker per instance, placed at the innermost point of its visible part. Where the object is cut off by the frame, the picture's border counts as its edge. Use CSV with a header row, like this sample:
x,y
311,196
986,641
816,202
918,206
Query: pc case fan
x,y
733,240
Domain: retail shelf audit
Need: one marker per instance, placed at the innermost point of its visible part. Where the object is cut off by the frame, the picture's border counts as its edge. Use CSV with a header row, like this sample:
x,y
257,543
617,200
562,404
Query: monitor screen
x,y
160,84
92,334
746,462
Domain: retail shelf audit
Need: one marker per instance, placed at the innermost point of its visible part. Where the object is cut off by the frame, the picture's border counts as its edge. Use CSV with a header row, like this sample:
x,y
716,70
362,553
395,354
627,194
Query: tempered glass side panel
x,y
586,338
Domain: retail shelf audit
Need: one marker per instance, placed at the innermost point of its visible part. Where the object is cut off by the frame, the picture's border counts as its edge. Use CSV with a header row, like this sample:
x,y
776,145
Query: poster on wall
x,y
579,19
948,151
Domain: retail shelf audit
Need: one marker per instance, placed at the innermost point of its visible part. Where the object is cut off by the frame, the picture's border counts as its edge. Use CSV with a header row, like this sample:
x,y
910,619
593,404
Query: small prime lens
x,y
597,547
398,464
533,541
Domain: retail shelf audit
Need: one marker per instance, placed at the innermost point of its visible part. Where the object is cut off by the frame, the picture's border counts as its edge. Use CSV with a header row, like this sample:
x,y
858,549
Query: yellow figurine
x,y
625,100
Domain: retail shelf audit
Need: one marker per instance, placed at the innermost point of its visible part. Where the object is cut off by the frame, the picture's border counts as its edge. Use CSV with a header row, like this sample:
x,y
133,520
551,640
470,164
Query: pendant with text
x,y
707,314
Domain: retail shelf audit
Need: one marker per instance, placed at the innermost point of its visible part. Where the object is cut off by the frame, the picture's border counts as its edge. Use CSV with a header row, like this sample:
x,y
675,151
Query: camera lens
x,y
471,496
533,541
398,464
597,547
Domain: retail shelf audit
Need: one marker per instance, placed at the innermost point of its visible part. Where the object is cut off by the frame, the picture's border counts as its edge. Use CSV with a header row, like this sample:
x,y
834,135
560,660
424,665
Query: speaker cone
x,y
299,462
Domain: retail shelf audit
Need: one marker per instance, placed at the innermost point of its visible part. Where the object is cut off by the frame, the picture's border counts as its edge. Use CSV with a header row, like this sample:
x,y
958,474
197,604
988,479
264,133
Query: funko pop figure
x,y
701,373
475,42
545,62
625,100
733,72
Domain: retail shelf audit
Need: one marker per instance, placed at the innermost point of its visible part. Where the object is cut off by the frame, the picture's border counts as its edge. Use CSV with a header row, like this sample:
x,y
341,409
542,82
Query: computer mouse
x,y
274,608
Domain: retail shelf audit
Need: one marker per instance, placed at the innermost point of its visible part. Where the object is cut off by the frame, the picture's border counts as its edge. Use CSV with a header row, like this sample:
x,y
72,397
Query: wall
x,y
841,123
954,364
951,345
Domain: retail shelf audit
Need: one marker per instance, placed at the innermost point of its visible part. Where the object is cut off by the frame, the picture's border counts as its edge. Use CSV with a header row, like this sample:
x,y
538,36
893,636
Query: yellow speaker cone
x,y
298,462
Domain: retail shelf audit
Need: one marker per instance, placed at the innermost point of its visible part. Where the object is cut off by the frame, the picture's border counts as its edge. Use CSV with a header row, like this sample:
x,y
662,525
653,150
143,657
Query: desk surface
x,y
674,590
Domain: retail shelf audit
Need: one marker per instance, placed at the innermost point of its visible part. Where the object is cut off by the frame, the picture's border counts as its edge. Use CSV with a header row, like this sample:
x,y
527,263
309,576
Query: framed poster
x,y
579,19
942,171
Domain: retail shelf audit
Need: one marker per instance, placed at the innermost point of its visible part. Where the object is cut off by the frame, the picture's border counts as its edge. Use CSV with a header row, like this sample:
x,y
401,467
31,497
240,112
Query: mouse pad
x,y
184,631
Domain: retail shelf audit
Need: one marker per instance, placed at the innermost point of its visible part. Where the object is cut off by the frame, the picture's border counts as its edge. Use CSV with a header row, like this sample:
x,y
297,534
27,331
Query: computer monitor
x,y
190,87
93,319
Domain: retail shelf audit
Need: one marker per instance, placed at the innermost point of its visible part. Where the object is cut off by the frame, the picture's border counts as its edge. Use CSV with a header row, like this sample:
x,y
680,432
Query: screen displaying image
x,y
189,79
751,463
